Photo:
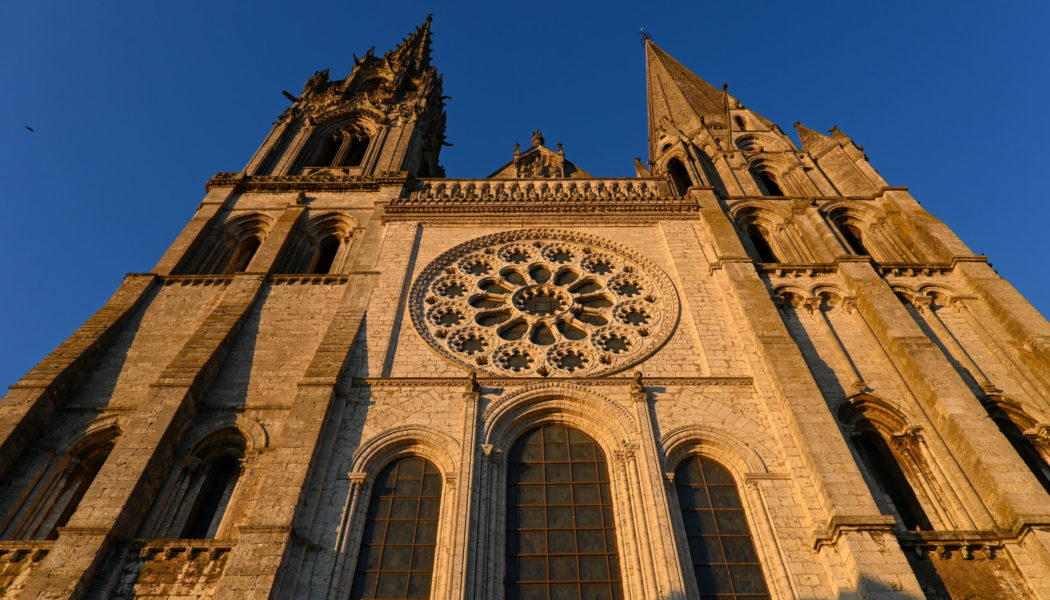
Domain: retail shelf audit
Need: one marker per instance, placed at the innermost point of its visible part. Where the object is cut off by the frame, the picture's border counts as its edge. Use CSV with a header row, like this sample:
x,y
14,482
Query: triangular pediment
x,y
539,162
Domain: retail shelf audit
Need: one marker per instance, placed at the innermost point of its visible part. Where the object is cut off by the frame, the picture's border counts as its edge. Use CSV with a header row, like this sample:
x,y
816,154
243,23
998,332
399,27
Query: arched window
x,y
197,500
561,542
759,241
84,470
881,464
397,549
769,184
325,255
854,238
679,176
356,152
720,546
326,155
1022,446
242,256
212,497
54,498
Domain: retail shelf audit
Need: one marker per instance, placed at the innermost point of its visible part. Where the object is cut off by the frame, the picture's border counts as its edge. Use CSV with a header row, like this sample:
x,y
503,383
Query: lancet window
x,y
854,238
679,176
57,493
397,549
325,255
1022,444
229,248
885,470
759,239
243,256
347,148
720,546
769,184
204,490
561,541
319,247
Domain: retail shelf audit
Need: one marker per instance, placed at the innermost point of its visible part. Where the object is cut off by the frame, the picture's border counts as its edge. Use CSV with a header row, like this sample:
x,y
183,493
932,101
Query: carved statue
x,y
318,79
537,138
636,383
472,383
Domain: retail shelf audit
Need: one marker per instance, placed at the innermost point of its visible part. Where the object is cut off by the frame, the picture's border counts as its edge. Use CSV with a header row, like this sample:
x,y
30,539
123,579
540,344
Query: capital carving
x,y
1039,437
921,303
357,481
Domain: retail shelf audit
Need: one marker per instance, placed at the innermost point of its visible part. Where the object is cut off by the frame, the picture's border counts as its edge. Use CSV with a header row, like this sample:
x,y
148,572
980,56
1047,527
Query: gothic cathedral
x,y
752,371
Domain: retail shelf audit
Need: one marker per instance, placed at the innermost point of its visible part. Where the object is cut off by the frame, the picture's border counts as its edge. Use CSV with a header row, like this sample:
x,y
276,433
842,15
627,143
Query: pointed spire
x,y
678,96
415,49
812,141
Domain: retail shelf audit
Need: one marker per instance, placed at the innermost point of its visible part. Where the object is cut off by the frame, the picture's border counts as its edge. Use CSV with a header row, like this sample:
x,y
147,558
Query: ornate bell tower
x,y
387,115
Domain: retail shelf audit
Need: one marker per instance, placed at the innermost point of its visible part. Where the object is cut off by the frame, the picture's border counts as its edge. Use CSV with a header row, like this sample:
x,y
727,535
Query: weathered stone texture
x,y
877,393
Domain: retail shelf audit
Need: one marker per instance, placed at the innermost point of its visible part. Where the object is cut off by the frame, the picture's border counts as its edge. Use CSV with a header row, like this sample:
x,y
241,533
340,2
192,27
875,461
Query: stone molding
x,y
317,182
512,381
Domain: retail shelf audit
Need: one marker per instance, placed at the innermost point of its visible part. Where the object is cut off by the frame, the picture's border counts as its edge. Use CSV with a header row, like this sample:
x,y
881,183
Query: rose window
x,y
544,303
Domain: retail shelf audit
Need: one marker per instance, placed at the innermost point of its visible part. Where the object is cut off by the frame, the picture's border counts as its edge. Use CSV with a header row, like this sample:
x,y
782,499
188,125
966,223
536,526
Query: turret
x,y
387,115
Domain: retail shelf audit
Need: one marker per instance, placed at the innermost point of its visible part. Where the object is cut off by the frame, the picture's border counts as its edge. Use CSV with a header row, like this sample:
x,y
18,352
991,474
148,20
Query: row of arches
x,y
764,176
561,536
345,148
341,138
191,506
774,238
319,246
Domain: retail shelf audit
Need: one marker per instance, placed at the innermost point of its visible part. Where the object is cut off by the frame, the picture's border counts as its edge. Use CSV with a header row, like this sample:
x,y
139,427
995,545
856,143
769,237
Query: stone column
x,y
466,522
489,564
665,558
1029,380
924,306
346,555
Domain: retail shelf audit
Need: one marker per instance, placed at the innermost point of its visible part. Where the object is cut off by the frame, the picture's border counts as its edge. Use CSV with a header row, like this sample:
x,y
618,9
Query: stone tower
x,y
751,371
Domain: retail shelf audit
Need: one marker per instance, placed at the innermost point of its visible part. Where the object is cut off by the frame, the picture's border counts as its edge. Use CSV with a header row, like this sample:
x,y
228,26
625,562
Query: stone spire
x,y
677,97
414,51
812,141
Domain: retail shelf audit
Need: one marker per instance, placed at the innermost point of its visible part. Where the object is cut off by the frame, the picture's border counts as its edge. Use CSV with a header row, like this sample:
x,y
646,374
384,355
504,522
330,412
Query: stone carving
x,y
499,191
543,302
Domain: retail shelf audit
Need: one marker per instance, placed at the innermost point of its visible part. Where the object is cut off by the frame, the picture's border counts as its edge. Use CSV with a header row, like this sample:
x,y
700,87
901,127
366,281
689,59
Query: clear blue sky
x,y
136,104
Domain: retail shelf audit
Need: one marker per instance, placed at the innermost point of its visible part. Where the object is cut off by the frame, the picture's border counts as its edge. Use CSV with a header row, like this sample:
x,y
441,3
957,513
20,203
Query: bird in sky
x,y
29,128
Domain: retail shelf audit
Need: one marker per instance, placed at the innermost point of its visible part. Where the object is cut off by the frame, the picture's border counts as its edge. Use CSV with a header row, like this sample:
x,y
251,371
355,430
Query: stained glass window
x,y
561,542
397,548
720,545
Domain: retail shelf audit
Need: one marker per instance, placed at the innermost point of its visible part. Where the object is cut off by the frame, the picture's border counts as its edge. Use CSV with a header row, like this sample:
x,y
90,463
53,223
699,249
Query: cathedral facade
x,y
753,371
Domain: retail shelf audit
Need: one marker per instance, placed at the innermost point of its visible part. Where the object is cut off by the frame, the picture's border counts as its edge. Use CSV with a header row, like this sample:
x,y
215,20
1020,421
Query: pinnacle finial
x,y
537,138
